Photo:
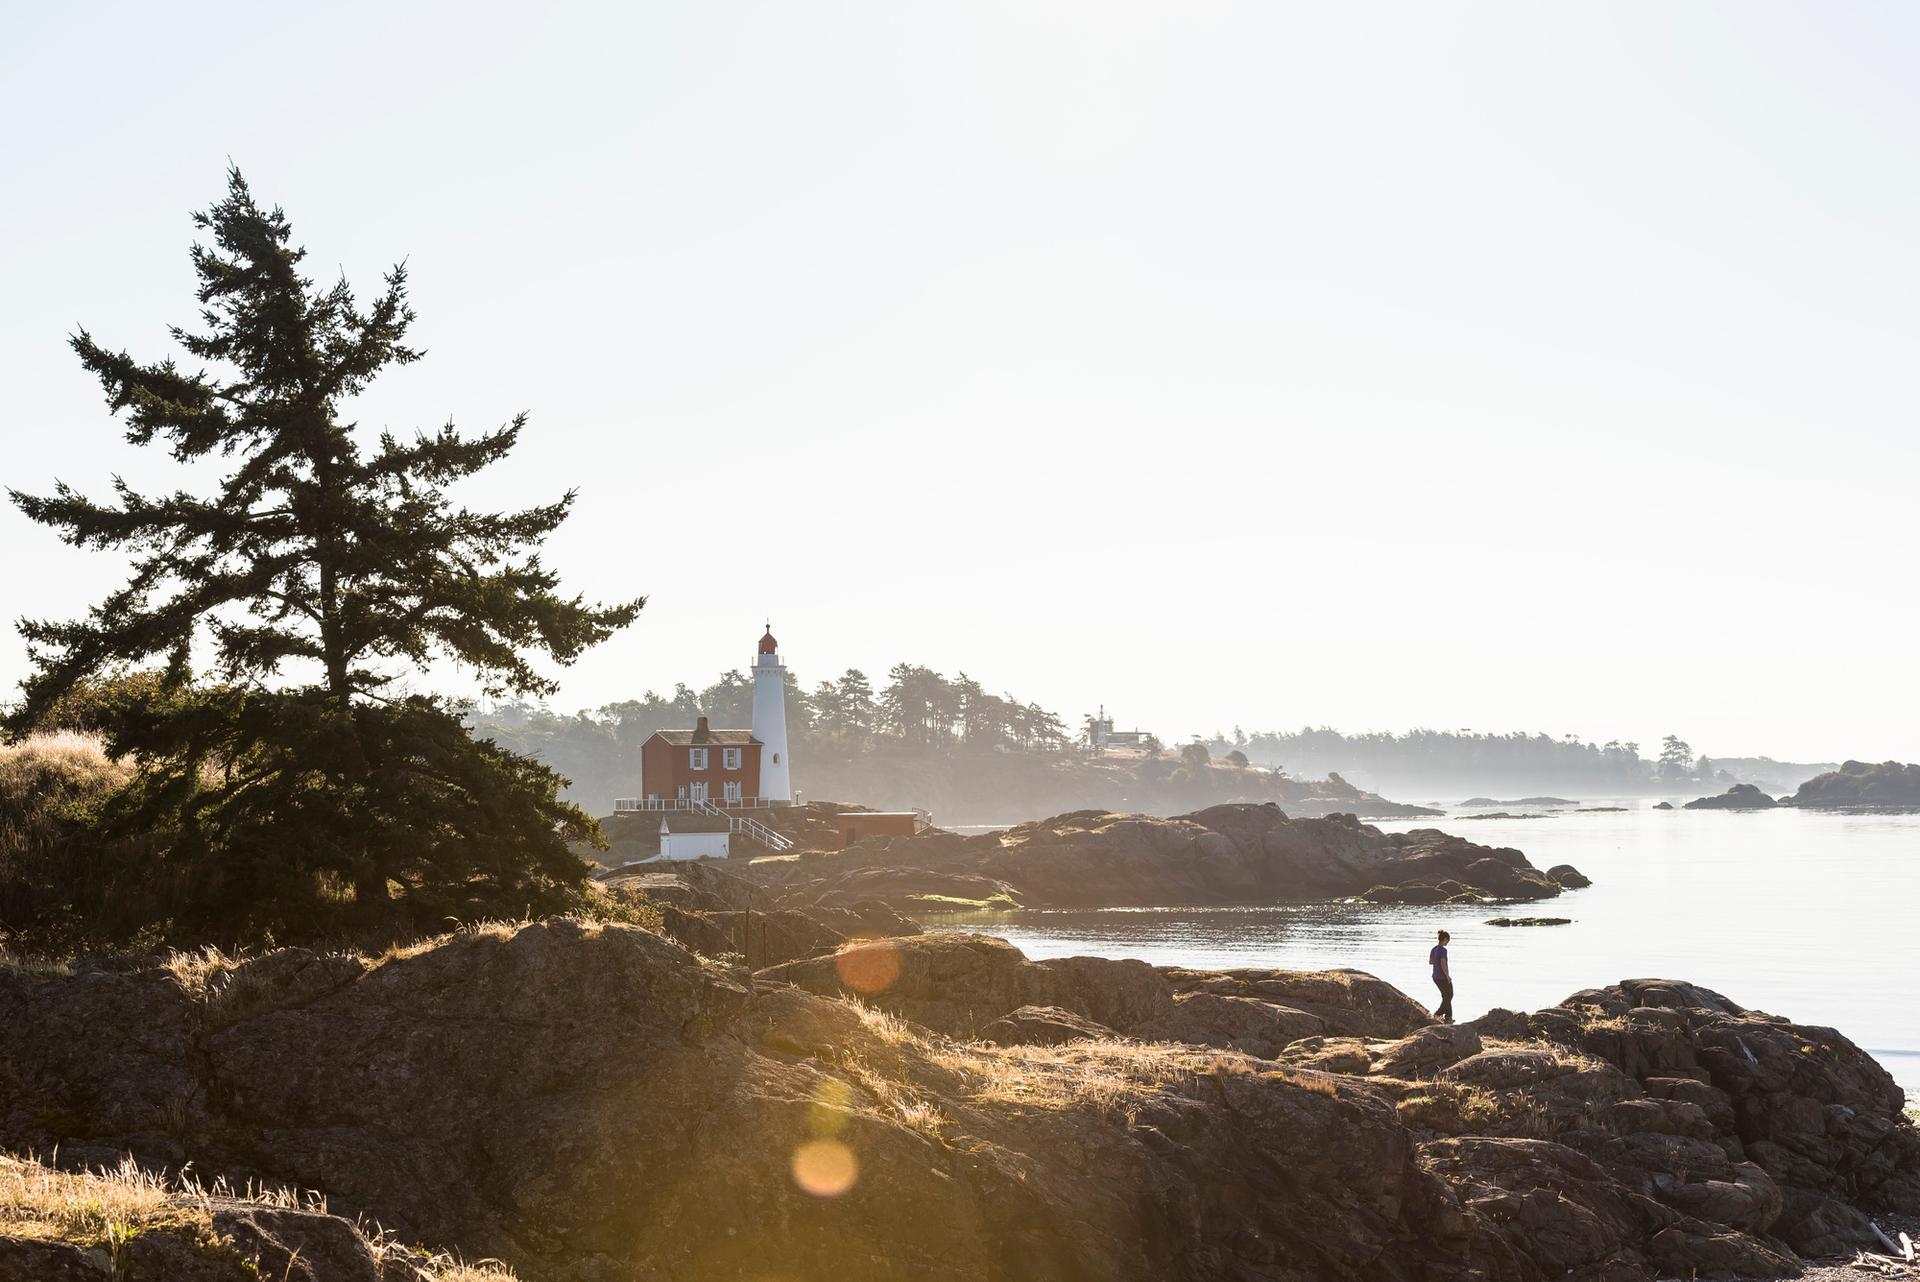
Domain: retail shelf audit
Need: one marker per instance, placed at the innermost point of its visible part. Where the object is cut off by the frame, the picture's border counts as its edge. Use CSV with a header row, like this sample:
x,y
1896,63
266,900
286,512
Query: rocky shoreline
x,y
1227,854
597,1104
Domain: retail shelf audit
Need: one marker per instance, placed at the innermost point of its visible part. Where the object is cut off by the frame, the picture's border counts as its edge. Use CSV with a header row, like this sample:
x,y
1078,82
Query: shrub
x,y
51,868
72,880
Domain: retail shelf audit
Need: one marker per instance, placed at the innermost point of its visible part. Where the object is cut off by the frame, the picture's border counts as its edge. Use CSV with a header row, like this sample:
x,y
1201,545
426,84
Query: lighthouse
x,y
770,720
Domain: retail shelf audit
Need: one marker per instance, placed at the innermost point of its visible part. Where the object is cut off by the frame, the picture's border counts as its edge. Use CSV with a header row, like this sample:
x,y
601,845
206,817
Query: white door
x,y
699,792
731,790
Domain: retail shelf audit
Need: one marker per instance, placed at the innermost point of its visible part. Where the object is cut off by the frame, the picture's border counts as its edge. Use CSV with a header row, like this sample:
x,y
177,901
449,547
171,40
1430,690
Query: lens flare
x,y
869,967
827,1112
825,1168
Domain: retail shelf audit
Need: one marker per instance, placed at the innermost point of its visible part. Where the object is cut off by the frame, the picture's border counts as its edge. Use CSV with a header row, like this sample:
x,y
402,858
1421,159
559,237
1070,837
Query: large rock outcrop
x,y
596,1104
1889,785
1229,854
964,985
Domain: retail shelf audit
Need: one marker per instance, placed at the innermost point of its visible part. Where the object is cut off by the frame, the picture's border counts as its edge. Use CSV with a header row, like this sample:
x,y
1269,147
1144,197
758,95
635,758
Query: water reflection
x,y
1799,913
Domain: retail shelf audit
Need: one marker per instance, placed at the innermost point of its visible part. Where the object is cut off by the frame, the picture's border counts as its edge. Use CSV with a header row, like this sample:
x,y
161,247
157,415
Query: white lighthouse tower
x,y
770,720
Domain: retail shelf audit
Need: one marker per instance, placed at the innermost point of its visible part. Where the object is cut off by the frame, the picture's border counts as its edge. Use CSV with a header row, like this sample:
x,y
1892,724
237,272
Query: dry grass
x,y
1111,1077
54,873
198,973
104,1210
443,1267
1574,1061
626,907
108,1209
1474,1107
221,988
888,1027
890,1084
894,1096
490,928
1593,1020
73,756
1307,1079
15,964
43,778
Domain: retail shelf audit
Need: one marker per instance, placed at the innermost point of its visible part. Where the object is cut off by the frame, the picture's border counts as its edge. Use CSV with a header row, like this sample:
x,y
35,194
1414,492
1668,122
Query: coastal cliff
x,y
596,1102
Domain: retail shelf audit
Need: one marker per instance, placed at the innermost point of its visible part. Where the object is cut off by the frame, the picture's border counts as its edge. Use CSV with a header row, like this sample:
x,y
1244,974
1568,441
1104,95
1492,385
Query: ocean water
x,y
1804,914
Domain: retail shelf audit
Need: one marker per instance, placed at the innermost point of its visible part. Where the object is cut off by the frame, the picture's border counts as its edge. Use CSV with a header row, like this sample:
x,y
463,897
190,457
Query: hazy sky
x,y
1494,365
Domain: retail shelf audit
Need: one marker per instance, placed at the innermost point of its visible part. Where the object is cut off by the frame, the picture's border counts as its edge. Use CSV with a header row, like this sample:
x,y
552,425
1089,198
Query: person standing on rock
x,y
1442,979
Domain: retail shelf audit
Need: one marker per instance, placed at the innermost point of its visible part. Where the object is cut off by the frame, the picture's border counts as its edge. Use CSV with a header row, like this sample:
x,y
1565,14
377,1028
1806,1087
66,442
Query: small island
x,y
1742,796
1541,803
1857,784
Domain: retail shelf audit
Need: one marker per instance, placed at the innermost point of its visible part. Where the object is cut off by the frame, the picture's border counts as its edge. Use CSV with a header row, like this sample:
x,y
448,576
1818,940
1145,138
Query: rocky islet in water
x,y
1227,854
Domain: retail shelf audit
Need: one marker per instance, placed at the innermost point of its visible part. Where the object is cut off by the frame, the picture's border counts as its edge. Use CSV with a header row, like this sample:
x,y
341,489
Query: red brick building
x,y
701,764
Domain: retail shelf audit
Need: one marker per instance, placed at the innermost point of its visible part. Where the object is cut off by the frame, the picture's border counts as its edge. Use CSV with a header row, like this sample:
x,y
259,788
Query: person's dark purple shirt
x,y
1438,957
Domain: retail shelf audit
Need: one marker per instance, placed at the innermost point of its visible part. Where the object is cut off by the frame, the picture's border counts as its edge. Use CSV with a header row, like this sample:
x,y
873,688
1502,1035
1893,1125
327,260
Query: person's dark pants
x,y
1445,1009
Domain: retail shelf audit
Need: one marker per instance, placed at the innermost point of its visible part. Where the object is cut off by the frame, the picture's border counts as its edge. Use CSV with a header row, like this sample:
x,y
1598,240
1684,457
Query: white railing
x,y
630,805
748,827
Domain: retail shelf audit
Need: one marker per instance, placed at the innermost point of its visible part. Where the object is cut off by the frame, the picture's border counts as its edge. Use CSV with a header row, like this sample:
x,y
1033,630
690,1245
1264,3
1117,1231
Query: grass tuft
x,y
107,1209
1110,1077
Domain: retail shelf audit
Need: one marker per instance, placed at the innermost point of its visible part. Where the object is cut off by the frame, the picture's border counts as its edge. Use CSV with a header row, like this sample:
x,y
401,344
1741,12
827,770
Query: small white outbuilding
x,y
678,846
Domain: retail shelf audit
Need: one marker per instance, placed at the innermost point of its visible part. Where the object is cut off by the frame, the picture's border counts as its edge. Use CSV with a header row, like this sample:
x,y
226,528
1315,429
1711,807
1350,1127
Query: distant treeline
x,y
1418,763
846,734
834,723
920,739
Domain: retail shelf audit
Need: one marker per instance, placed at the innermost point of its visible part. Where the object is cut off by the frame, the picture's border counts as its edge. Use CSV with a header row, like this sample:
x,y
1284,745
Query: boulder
x,y
1043,1026
1350,1003
1505,1068
1348,1055
1425,1051
699,932
1121,993
953,983
1569,877
1819,1116
1565,1213
1500,1024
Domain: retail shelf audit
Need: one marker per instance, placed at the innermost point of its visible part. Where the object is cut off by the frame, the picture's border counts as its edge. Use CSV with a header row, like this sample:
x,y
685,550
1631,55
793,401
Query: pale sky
x,y
1505,366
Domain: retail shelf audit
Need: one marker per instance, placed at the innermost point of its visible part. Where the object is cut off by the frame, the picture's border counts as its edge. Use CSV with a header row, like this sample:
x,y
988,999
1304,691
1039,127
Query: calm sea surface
x,y
1801,914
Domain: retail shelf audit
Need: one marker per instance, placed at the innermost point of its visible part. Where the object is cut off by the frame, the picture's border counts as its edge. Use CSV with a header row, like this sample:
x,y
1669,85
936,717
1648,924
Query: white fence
x,y
684,805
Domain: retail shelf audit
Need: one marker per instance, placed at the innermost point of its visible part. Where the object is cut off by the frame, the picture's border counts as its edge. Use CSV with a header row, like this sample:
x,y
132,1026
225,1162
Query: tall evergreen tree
x,y
301,774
